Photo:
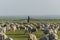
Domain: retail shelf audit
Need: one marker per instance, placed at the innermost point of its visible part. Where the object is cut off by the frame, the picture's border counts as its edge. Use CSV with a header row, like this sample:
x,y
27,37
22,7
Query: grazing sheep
x,y
14,28
4,29
32,37
49,35
45,37
2,35
26,30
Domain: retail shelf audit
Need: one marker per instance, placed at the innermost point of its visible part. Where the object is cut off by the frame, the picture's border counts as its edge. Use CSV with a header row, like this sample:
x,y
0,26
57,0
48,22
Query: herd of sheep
x,y
49,30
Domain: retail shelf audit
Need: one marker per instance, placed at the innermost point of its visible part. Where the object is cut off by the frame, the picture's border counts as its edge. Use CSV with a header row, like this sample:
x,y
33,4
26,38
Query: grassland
x,y
19,35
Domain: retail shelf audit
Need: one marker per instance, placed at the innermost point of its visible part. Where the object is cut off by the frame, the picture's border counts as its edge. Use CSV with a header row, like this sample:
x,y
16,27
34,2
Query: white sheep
x,y
32,37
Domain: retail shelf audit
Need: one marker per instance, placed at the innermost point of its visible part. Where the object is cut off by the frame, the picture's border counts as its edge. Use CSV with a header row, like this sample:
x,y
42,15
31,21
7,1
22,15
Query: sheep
x,y
32,37
4,29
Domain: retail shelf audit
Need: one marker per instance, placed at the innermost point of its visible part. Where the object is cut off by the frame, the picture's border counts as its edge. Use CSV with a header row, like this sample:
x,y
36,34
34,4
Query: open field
x,y
19,35
31,20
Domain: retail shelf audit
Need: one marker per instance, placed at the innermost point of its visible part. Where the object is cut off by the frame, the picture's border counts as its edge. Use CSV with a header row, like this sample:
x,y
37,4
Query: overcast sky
x,y
29,7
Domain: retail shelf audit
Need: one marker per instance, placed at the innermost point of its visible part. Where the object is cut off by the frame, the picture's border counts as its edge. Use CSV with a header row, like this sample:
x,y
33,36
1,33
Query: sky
x,y
29,7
